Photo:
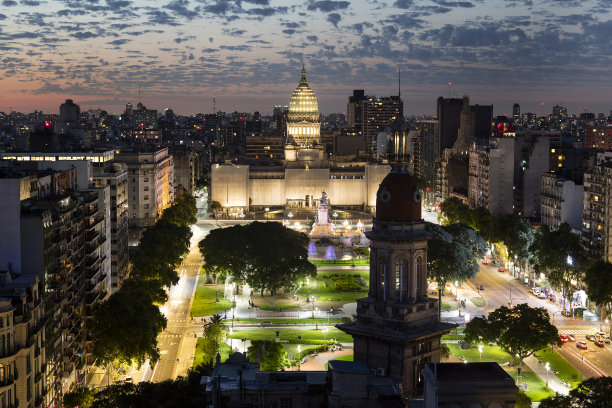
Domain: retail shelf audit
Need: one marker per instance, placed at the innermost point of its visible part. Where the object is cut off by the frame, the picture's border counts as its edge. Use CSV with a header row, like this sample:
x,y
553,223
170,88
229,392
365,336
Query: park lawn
x,y
478,301
198,357
323,293
341,262
453,337
346,357
489,354
309,335
287,320
566,371
204,302
537,387
445,306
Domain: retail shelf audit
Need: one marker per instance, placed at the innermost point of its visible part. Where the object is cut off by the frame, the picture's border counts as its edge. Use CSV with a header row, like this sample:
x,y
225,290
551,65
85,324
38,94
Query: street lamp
x,y
267,210
316,313
480,351
299,349
325,330
547,367
243,346
231,338
335,214
582,363
456,290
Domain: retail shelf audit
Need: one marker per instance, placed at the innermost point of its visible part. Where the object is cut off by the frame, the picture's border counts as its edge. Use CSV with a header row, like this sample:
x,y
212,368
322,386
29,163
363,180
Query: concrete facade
x,y
561,201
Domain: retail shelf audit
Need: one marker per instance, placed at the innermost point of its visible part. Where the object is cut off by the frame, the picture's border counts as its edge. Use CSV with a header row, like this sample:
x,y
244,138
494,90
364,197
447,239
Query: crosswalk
x,y
578,330
169,336
191,264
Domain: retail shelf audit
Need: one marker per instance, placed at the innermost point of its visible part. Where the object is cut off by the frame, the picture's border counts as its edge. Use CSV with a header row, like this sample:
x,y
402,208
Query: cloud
x,y
119,42
327,6
30,3
445,3
83,35
267,11
403,4
289,31
9,3
334,18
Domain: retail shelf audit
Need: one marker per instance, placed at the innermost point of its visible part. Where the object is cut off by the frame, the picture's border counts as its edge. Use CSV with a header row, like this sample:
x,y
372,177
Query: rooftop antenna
x,y
214,105
399,82
449,88
139,99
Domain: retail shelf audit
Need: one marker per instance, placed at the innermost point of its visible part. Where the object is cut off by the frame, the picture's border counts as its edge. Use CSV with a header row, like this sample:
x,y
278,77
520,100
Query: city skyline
x,y
248,53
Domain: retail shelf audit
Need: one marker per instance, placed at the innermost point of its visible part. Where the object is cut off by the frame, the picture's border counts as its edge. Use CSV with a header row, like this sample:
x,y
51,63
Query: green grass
x,y
204,303
478,301
453,337
198,357
288,320
341,262
566,371
328,293
537,386
311,336
489,353
347,357
445,306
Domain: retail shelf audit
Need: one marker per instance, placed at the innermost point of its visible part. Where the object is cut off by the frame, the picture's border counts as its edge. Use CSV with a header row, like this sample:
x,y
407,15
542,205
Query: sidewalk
x,y
554,383
457,313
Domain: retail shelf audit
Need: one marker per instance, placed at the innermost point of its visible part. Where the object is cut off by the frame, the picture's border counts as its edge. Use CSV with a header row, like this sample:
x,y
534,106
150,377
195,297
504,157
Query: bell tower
x,y
397,330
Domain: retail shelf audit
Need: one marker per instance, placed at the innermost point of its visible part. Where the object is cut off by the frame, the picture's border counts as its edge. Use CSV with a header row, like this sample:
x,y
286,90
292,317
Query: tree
x,y
520,331
522,400
591,393
125,328
267,256
517,234
448,259
82,397
598,279
182,212
270,355
560,255
215,332
444,351
455,211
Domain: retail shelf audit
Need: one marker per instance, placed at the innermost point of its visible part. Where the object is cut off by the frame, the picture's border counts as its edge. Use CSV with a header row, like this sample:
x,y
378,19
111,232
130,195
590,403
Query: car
x,y
591,337
128,379
485,262
542,295
480,287
571,337
581,345
501,269
564,338
599,343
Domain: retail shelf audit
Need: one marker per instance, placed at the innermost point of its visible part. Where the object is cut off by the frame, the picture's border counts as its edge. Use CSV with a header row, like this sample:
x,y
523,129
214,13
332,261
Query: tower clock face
x,y
385,196
417,196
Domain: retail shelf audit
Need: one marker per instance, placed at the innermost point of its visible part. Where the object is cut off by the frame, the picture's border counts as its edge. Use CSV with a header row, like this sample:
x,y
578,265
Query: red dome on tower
x,y
398,198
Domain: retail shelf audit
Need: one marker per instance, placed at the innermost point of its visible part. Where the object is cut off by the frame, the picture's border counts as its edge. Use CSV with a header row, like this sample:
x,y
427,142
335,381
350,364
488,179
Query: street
x,y
501,288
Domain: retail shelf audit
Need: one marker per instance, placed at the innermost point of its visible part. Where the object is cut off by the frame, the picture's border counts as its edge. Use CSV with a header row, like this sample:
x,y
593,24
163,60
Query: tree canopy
x,y
559,254
598,279
520,330
453,253
591,393
270,355
267,256
126,325
125,328
215,332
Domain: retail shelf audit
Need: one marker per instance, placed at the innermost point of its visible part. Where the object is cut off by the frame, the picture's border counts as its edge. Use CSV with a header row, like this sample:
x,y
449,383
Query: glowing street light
x,y
299,349
480,351
547,367
231,338
335,214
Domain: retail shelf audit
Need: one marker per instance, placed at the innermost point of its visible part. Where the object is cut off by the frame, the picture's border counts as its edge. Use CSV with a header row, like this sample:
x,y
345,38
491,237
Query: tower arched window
x,y
400,279
419,277
383,277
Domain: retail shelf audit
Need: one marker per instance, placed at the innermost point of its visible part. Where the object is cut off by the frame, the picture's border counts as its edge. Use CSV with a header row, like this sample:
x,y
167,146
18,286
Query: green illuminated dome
x,y
303,105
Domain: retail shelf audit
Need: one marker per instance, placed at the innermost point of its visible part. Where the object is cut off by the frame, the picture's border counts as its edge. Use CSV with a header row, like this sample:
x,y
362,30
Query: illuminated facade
x,y
303,124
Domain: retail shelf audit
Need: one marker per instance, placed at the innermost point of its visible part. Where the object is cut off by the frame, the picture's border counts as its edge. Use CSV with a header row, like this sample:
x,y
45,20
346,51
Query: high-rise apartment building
x,y
598,137
561,201
491,176
150,187
597,207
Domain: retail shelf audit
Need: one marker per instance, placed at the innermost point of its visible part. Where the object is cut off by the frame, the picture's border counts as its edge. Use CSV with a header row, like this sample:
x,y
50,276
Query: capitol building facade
x,y
304,174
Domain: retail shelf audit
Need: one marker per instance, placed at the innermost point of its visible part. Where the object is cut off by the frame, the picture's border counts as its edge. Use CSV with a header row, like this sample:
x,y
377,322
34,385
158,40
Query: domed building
x,y
303,124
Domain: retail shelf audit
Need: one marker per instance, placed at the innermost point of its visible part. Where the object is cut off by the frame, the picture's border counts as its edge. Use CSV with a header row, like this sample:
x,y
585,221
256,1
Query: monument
x,y
322,227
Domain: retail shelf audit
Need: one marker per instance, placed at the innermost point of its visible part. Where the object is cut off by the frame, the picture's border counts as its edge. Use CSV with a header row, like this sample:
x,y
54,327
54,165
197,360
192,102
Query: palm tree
x,y
215,332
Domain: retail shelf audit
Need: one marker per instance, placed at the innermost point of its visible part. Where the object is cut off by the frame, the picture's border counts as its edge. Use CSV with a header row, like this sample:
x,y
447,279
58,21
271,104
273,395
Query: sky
x,y
247,54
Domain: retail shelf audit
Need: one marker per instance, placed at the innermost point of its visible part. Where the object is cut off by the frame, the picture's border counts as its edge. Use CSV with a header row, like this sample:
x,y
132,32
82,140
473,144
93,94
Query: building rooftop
x,y
348,367
469,372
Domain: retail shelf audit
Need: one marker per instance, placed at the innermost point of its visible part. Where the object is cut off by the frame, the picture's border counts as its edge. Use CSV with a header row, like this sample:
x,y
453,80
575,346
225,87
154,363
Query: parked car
x,y
485,262
542,295
591,337
581,345
571,337
564,338
501,269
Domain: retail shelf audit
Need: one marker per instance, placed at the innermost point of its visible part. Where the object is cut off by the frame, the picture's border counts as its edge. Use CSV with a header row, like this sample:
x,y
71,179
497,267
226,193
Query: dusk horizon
x,y
248,54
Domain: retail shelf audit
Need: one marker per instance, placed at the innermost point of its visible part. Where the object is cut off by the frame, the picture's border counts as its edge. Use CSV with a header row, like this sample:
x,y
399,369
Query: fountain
x,y
311,249
330,253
